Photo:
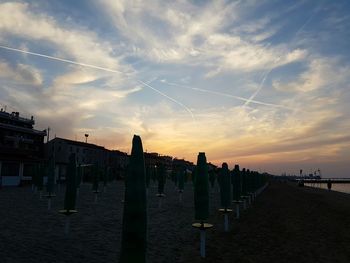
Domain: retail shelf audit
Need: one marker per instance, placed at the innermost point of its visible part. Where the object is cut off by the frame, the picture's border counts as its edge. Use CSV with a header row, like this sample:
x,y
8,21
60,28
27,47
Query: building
x,y
87,154
118,162
21,147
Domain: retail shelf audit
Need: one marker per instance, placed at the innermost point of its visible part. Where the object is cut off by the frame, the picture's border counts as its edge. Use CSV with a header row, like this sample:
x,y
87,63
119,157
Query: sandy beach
x,y
285,224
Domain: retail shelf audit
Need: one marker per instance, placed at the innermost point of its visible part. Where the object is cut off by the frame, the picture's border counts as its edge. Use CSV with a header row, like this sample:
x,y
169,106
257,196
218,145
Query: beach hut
x,y
201,199
225,193
134,235
70,194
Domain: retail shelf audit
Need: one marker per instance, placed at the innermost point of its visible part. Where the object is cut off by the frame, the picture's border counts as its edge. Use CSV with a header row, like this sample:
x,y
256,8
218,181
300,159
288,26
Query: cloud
x,y
322,72
196,35
78,43
21,73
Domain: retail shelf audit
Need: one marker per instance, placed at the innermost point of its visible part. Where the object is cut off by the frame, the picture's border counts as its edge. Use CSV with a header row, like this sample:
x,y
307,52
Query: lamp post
x,y
86,136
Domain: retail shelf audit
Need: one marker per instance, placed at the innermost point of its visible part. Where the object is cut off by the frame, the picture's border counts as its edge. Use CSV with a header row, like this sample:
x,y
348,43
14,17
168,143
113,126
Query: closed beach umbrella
x,y
225,190
161,172
71,184
71,191
96,178
50,186
201,189
201,199
236,188
134,236
236,183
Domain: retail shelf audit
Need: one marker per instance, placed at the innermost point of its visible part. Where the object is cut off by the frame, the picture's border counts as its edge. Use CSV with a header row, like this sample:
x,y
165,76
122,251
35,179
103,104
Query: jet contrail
x,y
269,71
225,95
166,96
63,60
100,68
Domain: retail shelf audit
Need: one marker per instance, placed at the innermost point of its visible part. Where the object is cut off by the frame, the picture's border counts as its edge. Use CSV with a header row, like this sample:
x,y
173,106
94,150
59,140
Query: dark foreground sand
x,y
285,224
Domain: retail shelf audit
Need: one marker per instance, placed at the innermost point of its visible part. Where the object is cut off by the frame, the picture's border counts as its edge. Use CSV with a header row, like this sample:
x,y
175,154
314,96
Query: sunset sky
x,y
261,83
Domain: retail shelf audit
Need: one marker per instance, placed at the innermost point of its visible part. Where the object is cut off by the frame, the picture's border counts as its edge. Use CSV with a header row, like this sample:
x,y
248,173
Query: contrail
x,y
172,99
225,95
100,68
270,70
63,60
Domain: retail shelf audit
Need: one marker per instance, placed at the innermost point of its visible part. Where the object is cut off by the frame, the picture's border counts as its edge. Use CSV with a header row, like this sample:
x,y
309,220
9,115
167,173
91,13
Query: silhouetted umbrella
x,y
134,236
161,172
181,174
201,199
71,188
40,179
225,188
96,180
225,193
50,184
236,188
201,189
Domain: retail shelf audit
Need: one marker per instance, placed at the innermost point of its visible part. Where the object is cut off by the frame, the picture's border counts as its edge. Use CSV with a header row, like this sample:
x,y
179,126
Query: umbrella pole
x,y
202,245
180,197
78,191
40,194
237,210
226,222
49,204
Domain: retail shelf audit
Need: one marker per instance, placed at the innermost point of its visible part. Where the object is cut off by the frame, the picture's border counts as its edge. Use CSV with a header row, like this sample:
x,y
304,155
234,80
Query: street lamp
x,y
86,136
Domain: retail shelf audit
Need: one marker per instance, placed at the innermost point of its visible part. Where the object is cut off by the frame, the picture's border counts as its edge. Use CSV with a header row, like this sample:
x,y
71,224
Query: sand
x,y
285,224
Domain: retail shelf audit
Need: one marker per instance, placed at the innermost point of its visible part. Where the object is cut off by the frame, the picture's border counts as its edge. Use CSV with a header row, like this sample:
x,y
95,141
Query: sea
x,y
344,188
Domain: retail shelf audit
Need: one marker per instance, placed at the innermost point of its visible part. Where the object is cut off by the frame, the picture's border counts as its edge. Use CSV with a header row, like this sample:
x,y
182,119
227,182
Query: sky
x,y
259,83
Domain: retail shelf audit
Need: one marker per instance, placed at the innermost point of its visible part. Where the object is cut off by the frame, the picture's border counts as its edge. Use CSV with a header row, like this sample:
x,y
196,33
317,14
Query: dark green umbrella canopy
x,y
236,183
225,187
134,236
71,184
50,186
244,182
161,172
249,181
201,189
96,177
